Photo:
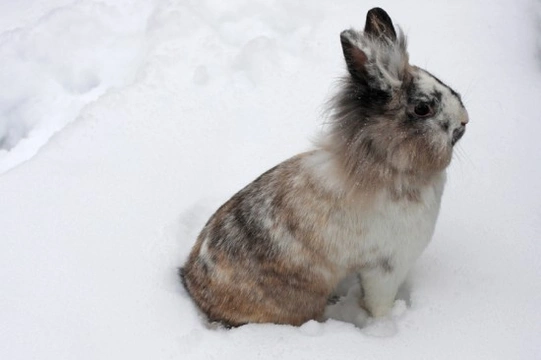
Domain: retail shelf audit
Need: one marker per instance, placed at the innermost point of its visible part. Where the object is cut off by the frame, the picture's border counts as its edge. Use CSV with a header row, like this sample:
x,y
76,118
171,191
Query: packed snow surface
x,y
124,124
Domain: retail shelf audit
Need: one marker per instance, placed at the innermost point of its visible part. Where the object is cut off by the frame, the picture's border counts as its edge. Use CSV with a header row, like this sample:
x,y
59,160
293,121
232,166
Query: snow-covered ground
x,y
161,110
52,66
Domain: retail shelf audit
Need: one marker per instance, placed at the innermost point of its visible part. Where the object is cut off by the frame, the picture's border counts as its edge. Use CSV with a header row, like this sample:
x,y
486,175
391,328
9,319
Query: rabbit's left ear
x,y
379,25
357,58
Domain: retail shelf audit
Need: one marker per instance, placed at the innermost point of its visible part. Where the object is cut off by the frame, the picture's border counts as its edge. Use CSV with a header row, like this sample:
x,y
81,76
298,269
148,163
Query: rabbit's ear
x,y
379,25
376,58
355,56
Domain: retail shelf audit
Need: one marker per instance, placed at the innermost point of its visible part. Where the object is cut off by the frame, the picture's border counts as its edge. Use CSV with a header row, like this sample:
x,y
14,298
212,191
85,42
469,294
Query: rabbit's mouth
x,y
457,134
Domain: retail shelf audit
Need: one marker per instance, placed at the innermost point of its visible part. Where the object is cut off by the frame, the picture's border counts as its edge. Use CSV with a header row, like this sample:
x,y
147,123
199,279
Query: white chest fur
x,y
381,238
385,230
396,231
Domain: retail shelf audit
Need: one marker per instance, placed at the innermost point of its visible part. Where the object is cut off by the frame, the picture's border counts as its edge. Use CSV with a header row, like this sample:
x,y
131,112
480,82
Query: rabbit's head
x,y
392,117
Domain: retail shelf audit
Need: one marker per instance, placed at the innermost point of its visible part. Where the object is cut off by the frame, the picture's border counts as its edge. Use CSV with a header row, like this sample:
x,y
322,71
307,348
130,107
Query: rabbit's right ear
x,y
379,25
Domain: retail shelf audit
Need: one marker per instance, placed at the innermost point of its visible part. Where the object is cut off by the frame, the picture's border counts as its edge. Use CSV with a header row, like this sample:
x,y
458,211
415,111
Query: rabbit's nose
x,y
465,119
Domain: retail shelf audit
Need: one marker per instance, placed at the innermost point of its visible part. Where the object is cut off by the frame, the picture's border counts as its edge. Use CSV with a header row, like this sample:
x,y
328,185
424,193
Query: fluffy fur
x,y
365,201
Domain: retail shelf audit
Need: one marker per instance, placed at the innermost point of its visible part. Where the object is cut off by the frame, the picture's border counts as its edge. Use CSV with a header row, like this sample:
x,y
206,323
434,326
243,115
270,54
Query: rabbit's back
x,y
260,257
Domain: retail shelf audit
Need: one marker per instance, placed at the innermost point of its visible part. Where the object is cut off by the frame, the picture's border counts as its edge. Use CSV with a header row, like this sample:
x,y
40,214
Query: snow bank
x,y
193,99
64,60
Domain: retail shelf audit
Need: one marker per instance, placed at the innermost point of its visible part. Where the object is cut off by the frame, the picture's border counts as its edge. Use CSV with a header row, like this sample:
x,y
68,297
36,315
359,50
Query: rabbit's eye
x,y
422,109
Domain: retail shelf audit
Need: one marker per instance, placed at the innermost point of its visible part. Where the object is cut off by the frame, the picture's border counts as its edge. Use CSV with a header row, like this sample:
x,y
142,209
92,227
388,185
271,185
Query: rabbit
x,y
364,201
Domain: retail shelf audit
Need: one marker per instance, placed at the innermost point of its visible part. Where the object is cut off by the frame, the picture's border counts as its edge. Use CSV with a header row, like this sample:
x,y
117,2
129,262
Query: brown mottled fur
x,y
266,284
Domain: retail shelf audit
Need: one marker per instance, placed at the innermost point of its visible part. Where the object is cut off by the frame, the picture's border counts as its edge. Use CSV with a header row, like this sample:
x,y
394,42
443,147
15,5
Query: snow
x,y
54,66
124,124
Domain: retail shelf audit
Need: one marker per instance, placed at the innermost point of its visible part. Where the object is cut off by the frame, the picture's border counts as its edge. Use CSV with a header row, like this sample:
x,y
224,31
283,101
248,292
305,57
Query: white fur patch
x,y
368,237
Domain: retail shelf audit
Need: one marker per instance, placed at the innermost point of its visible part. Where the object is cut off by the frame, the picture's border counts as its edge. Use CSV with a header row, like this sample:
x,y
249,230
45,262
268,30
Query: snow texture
x,y
124,124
